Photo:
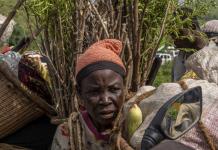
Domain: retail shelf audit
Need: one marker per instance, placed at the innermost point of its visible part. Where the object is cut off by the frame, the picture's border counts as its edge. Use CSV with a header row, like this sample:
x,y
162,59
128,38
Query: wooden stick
x,y
136,48
158,41
124,145
100,19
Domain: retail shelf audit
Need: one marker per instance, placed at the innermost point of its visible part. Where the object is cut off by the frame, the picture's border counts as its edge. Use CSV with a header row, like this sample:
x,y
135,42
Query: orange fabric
x,y
104,50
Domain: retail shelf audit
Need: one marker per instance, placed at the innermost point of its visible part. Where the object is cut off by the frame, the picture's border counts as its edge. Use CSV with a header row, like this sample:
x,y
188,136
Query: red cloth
x,y
5,49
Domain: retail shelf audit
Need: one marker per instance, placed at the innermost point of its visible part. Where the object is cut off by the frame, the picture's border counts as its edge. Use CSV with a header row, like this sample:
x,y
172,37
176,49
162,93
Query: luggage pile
x,y
18,104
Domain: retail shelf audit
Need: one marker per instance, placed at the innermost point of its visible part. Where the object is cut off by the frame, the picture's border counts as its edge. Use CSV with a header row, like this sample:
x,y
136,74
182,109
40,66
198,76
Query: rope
x,y
207,135
124,145
75,132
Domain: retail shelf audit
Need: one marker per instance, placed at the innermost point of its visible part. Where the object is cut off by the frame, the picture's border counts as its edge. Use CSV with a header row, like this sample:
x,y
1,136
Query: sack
x,y
205,63
163,93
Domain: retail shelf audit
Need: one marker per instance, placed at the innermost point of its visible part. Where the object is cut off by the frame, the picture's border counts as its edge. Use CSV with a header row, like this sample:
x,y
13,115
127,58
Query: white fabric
x,y
205,63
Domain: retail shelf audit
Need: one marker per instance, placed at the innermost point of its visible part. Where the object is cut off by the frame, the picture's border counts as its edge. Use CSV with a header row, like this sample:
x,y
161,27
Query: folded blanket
x,y
33,72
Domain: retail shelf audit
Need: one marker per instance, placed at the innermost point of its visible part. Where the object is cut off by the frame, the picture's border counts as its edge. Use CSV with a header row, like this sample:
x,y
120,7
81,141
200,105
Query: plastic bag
x,y
12,59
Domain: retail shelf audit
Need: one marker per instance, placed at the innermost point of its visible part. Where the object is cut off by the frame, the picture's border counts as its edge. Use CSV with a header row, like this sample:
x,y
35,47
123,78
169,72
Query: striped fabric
x,y
211,27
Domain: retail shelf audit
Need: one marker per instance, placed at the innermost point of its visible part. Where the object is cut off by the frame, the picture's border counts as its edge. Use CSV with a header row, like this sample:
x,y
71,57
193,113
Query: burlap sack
x,y
164,92
205,63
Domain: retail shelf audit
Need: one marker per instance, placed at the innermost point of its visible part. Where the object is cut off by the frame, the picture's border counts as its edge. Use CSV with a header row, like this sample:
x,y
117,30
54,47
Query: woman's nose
x,y
105,98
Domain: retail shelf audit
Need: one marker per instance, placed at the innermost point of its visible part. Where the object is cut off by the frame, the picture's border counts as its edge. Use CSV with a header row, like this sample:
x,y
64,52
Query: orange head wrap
x,y
103,54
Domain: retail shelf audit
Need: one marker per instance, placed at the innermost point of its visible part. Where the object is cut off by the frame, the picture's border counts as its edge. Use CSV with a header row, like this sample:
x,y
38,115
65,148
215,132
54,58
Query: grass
x,y
7,5
20,29
164,74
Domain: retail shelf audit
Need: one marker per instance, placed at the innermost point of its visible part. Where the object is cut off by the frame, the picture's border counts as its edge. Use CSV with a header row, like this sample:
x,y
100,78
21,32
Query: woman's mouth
x,y
107,114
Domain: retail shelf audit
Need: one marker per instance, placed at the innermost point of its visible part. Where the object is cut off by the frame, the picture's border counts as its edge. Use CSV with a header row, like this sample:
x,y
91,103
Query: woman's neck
x,y
101,128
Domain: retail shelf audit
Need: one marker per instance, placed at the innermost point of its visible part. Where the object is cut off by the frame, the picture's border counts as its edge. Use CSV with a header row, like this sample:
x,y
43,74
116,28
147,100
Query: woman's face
x,y
101,93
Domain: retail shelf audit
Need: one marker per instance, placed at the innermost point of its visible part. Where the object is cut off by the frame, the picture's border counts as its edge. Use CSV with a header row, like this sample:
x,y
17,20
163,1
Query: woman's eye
x,y
114,89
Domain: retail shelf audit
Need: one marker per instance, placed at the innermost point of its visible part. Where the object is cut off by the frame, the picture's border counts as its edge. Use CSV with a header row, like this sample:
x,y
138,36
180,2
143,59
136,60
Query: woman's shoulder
x,y
61,139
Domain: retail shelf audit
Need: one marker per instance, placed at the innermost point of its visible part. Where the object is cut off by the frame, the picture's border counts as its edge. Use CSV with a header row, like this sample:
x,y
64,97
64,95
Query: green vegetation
x,y
21,30
17,35
213,14
172,113
5,8
164,74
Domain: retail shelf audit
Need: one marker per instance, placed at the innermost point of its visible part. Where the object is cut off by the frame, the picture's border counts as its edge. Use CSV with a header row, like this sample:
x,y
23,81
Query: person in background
x,y
210,28
205,136
199,41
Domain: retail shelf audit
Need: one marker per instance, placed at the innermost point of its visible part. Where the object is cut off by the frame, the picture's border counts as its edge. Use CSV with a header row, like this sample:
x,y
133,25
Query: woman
x,y
99,75
182,41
